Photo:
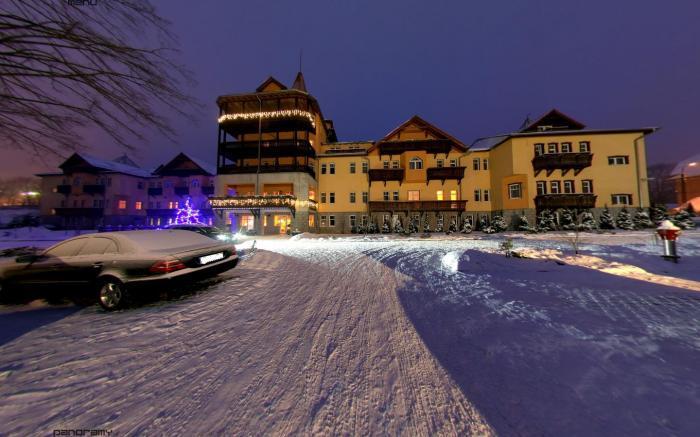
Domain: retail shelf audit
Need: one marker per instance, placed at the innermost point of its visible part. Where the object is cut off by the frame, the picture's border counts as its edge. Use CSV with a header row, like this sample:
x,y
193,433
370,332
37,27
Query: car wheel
x,y
111,294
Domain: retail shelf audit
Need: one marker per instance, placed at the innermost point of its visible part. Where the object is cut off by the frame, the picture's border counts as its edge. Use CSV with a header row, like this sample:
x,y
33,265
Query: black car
x,y
111,266
209,231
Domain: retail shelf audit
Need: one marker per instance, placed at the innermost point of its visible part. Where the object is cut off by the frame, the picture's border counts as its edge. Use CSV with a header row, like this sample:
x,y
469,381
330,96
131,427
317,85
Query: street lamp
x,y
683,190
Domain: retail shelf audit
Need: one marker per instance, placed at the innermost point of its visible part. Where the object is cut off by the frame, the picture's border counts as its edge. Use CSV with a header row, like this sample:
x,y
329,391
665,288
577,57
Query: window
x,y
476,164
395,196
552,148
365,196
621,199
323,197
541,188
386,196
95,246
415,163
312,220
477,195
569,187
565,147
138,205
352,168
323,168
618,160
439,195
69,248
414,195
195,183
353,221
487,195
324,220
385,164
352,197
539,149
587,186
331,168
515,191
365,167
394,164
440,163
554,187
331,197
584,147
122,204
331,220
139,185
486,163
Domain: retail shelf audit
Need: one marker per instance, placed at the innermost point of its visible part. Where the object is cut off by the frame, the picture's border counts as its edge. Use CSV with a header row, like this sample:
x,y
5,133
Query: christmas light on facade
x,y
285,113
187,215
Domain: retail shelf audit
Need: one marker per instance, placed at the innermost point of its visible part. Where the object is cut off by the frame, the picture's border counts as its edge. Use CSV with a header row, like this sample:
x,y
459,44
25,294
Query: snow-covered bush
x,y
483,223
606,219
567,220
467,227
523,223
498,223
385,227
658,214
488,229
440,223
683,220
372,228
587,221
398,227
624,220
426,225
453,226
545,221
412,225
641,219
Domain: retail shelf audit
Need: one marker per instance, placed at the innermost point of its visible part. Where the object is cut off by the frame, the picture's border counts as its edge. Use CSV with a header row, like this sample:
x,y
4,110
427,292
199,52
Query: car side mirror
x,y
27,259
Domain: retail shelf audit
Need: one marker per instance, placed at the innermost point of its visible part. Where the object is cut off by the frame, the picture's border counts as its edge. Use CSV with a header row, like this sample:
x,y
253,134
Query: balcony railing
x,y
94,189
63,189
182,191
443,173
429,146
268,149
284,201
386,174
419,205
235,169
208,190
556,201
155,191
562,161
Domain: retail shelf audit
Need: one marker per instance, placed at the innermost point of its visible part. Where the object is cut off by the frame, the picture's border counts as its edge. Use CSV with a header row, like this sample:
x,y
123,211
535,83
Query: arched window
x,y
415,163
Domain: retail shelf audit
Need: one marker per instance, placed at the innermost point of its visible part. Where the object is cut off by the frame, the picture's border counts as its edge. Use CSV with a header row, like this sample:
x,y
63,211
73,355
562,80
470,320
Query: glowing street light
x,y
683,190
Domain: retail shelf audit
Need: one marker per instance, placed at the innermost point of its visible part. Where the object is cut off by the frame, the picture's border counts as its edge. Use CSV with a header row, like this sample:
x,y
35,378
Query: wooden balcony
x,y
574,201
444,173
268,149
182,191
418,206
155,191
63,189
430,146
562,161
235,169
385,174
94,189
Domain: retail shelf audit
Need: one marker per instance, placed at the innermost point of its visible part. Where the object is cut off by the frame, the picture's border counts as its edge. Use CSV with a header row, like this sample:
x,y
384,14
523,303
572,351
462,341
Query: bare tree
x,y
67,64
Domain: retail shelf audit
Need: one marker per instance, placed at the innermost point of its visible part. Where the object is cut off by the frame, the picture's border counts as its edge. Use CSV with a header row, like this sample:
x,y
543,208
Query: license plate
x,y
211,258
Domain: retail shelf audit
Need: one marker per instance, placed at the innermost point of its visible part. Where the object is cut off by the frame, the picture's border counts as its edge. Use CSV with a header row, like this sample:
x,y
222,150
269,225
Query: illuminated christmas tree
x,y
187,215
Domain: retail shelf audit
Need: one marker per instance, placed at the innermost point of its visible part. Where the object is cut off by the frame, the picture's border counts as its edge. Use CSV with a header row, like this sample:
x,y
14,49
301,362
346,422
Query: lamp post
x,y
683,190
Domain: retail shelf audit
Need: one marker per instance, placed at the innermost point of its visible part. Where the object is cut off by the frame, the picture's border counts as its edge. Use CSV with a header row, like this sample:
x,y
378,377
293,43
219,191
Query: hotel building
x,y
281,167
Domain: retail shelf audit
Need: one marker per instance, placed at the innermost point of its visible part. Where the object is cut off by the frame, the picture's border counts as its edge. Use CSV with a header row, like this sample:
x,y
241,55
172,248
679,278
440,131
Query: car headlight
x,y
222,237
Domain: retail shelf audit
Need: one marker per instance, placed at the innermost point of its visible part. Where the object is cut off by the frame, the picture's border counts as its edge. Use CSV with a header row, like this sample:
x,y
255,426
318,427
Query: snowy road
x,y
367,337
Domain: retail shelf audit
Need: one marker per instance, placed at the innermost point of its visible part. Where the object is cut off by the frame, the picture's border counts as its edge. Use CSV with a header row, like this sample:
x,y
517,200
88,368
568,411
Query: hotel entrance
x,y
276,223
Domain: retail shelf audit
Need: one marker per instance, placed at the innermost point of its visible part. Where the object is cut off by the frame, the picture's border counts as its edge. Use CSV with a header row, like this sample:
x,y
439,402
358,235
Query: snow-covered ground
x,y
380,335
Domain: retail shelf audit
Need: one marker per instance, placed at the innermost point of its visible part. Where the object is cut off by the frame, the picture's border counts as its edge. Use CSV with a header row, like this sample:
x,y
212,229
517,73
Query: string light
x,y
187,215
285,113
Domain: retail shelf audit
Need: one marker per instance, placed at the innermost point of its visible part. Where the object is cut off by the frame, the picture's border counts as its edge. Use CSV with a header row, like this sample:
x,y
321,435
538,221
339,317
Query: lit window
x,y
439,195
312,220
121,204
414,195
515,191
138,205
415,163
621,199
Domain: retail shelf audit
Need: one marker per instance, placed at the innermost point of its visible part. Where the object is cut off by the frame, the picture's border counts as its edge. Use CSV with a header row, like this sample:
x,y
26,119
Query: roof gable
x,y
182,165
89,164
417,129
553,120
270,84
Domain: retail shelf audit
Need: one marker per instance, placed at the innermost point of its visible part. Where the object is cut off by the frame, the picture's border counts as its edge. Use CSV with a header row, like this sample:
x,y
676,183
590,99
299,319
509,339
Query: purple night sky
x,y
472,68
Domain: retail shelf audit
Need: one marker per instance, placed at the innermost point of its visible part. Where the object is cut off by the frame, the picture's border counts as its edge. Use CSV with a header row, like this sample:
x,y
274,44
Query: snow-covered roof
x,y
687,169
112,166
487,143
